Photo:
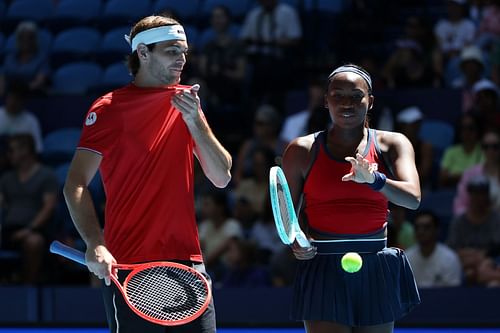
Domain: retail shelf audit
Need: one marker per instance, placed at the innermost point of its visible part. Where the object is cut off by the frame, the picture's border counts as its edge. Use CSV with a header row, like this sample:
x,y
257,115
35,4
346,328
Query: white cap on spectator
x,y
472,53
409,115
485,84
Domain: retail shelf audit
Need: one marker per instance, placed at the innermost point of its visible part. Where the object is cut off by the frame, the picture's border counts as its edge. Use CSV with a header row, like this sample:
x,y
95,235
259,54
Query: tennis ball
x,y
351,262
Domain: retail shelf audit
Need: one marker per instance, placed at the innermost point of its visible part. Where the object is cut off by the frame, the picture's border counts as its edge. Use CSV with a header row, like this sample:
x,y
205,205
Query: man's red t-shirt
x,y
147,171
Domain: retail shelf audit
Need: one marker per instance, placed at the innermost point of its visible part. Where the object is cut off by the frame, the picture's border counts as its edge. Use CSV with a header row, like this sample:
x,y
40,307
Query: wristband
x,y
379,181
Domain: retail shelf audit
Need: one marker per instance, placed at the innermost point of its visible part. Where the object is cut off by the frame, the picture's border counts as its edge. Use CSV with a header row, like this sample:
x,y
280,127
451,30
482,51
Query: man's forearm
x,y
83,214
215,161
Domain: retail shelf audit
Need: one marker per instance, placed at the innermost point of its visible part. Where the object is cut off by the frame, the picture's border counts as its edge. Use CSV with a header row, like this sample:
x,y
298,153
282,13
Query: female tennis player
x,y
344,177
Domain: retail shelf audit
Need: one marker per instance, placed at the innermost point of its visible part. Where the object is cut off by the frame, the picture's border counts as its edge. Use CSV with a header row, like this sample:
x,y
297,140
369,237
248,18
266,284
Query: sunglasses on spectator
x,y
493,146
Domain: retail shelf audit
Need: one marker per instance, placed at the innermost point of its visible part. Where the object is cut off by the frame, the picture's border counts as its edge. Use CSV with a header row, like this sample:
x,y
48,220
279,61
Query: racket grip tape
x,y
67,252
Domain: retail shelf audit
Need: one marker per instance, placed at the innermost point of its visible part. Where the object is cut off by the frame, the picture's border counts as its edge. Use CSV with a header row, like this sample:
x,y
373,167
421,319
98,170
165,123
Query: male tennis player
x,y
142,138
346,176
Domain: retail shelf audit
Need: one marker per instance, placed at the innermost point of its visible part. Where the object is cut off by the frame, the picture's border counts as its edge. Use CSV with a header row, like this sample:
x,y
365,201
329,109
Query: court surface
x,y
250,330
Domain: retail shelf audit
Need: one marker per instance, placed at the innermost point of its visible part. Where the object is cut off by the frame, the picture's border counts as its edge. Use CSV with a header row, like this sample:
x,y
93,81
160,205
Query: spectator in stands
x,y
297,124
406,67
411,64
242,268
453,33
266,129
28,64
263,234
402,229
495,63
489,27
15,119
487,104
434,264
462,155
215,230
489,168
222,63
489,272
272,33
255,186
283,267
408,122
28,197
475,235
472,65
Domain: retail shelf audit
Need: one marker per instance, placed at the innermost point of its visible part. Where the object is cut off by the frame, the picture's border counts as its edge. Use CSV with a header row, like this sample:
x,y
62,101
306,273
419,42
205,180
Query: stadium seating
x,y
238,9
114,76
208,34
75,44
332,6
76,78
70,13
437,132
120,12
59,145
192,35
440,202
185,10
45,39
36,10
113,46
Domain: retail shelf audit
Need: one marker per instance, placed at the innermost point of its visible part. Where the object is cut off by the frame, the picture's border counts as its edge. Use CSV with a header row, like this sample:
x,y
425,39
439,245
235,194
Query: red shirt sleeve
x,y
101,128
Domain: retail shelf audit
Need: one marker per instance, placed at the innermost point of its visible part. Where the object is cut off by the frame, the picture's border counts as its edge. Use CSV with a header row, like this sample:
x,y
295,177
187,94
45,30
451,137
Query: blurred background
x,y
262,66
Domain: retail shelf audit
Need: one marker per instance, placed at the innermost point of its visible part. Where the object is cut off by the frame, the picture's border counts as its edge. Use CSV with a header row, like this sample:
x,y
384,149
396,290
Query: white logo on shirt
x,y
91,119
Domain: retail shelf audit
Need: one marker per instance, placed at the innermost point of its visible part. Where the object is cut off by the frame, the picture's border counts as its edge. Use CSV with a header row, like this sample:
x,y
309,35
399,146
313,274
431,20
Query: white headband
x,y
158,34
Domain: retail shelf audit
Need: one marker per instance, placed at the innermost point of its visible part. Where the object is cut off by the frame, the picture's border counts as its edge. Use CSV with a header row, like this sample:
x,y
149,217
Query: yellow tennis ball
x,y
351,262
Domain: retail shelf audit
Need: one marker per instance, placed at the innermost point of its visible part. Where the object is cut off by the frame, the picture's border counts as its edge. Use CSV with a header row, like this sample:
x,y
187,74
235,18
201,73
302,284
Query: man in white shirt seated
x,y
434,264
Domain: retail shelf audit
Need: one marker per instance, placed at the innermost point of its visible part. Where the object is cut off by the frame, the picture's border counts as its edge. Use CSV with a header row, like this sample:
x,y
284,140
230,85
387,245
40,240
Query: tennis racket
x,y
164,293
285,217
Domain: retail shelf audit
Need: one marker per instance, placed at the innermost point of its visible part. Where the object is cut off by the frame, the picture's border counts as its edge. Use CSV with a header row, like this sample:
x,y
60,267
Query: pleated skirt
x,y
382,291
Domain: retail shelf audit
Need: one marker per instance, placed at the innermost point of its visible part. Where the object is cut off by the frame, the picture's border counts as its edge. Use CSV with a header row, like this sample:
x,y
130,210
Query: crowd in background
x,y
249,64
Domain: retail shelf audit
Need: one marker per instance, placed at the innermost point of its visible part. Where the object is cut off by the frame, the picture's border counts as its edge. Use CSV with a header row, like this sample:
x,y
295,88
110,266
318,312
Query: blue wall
x,y
240,307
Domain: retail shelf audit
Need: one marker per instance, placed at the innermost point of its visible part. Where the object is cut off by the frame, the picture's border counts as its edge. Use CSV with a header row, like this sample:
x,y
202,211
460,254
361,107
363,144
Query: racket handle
x,y
302,239
67,252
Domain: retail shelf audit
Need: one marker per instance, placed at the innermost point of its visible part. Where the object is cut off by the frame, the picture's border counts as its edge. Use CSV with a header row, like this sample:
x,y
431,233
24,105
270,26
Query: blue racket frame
x,y
276,175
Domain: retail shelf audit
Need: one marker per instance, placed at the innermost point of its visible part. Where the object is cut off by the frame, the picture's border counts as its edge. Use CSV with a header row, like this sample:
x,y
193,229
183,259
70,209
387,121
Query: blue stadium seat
x,y
193,35
76,78
185,11
238,9
208,34
332,6
121,12
113,46
36,10
440,134
116,75
440,202
75,44
70,13
3,7
59,145
437,132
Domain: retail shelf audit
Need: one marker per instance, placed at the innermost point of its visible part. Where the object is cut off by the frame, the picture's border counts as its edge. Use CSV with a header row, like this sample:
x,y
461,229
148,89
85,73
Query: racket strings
x,y
166,293
284,210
